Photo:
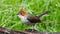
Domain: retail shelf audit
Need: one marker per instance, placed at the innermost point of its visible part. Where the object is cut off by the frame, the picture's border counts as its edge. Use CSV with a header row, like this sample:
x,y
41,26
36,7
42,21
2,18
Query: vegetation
x,y
51,21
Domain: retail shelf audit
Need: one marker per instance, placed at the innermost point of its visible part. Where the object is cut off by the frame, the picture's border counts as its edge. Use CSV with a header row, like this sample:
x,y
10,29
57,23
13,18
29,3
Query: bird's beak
x,y
17,13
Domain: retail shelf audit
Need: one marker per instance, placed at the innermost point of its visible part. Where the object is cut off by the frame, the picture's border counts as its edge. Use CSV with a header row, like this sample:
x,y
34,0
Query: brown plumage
x,y
33,18
22,12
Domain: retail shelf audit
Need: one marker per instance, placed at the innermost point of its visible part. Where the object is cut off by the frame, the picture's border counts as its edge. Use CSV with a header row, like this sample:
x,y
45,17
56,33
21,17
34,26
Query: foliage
x,y
51,21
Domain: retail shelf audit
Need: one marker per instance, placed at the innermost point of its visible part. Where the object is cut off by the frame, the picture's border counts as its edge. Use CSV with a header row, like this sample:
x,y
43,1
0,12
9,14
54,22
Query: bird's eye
x,y
21,13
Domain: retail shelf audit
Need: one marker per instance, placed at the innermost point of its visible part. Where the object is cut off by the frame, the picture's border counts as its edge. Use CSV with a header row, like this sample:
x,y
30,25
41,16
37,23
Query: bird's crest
x,y
22,12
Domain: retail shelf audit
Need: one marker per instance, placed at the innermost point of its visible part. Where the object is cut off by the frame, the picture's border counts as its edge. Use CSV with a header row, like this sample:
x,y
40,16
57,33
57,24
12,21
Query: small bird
x,y
30,18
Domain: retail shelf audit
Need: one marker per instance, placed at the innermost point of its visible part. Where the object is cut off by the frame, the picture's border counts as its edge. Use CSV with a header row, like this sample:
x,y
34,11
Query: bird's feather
x,y
33,18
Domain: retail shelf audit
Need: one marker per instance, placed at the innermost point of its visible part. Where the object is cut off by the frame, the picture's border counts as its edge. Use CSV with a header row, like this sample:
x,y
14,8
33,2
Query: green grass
x,y
9,19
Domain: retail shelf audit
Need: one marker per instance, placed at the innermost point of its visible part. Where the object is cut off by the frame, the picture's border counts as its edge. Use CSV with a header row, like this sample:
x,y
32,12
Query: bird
x,y
30,18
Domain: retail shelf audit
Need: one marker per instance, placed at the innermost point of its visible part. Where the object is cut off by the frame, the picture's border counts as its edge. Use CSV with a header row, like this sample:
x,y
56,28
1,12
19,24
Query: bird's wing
x,y
32,18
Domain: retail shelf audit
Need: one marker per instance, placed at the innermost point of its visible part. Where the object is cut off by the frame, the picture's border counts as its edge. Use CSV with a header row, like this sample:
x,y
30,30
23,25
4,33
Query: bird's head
x,y
22,12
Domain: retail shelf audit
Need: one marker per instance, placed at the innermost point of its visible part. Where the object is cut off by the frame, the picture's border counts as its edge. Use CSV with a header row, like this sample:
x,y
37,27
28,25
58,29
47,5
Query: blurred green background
x,y
51,21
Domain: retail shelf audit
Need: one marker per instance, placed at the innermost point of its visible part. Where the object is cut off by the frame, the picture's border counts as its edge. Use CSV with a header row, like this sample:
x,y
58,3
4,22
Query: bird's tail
x,y
43,13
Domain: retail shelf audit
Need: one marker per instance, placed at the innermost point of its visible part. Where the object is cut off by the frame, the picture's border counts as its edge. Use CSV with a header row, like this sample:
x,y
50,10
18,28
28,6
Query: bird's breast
x,y
24,19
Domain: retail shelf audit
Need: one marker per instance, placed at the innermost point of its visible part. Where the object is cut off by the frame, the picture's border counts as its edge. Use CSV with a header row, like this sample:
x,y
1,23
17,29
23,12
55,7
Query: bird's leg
x,y
33,27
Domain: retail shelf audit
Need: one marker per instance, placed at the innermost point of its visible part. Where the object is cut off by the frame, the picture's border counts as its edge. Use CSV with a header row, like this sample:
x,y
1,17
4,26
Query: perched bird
x,y
30,18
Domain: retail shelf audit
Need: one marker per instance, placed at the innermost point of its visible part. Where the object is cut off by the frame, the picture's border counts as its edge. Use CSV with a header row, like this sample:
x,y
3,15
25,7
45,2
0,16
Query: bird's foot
x,y
33,30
